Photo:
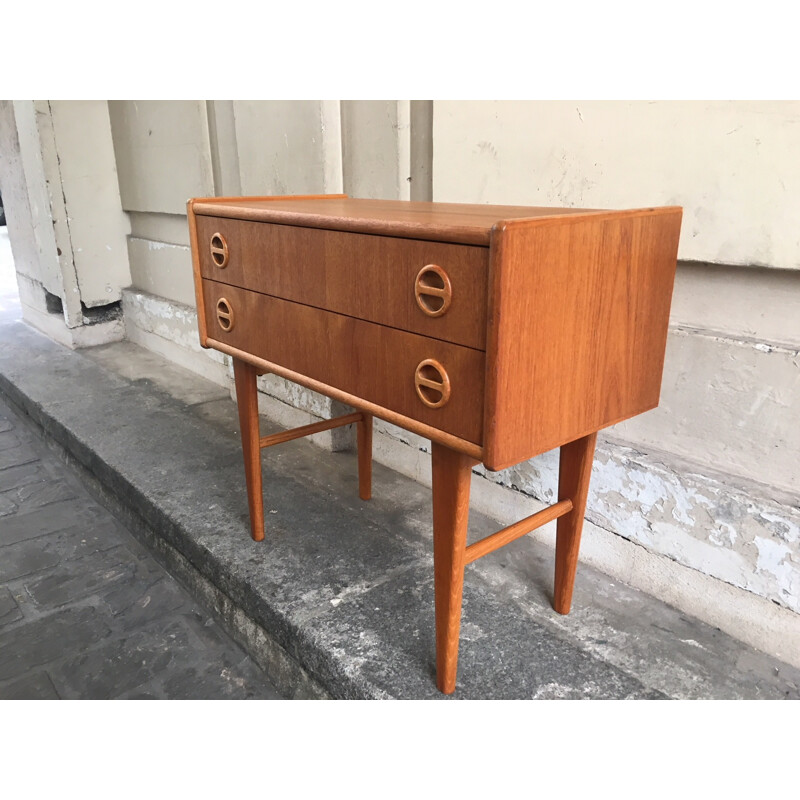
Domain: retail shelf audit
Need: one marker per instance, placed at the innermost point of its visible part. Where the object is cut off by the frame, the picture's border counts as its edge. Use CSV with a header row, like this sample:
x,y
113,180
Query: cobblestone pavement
x,y
85,610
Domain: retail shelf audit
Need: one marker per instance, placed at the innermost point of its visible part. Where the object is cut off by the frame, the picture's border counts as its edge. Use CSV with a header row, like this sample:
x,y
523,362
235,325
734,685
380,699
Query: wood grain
x,y
364,276
503,537
366,360
438,222
247,401
198,249
574,473
579,310
409,423
308,430
450,485
284,198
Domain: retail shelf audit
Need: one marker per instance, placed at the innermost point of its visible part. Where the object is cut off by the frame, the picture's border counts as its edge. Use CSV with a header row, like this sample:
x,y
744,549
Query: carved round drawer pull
x,y
432,383
433,290
219,250
225,315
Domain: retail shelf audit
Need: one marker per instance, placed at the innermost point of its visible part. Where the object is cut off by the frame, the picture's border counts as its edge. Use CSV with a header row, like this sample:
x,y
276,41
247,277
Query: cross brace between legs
x,y
307,430
506,535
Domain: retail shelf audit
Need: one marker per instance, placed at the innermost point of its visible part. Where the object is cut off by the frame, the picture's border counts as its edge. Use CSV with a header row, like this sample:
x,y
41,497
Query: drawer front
x,y
365,276
379,364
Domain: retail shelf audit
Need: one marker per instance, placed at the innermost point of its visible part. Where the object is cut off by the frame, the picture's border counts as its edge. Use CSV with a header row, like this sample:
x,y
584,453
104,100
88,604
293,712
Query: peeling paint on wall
x,y
698,521
729,533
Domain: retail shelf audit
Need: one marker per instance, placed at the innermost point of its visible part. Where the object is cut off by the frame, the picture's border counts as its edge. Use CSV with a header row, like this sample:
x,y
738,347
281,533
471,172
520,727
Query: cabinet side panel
x,y
578,317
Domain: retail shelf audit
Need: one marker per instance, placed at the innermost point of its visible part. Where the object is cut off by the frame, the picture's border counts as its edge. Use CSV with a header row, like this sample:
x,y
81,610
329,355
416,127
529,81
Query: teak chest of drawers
x,y
498,332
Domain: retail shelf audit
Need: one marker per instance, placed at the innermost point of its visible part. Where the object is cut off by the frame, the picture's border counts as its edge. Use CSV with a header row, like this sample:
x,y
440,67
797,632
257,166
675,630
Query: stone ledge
x,y
340,598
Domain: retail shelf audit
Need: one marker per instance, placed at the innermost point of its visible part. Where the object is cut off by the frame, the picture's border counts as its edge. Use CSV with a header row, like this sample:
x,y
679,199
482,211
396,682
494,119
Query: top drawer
x,y
375,278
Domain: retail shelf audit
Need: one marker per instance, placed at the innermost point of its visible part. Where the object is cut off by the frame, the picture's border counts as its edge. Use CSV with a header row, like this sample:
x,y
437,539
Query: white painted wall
x,y
45,268
733,166
376,148
69,230
224,148
281,147
98,227
14,187
163,153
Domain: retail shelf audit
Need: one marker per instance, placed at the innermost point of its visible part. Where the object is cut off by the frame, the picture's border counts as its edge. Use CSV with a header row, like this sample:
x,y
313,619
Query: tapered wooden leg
x,y
574,472
247,400
364,438
451,480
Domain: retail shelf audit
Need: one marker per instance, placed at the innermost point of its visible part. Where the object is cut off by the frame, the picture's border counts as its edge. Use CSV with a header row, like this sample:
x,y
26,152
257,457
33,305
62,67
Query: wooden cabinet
x,y
376,363
364,276
499,332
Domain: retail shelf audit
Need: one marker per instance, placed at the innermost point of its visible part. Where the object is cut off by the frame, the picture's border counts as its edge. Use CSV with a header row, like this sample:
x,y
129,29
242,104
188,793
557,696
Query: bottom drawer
x,y
373,362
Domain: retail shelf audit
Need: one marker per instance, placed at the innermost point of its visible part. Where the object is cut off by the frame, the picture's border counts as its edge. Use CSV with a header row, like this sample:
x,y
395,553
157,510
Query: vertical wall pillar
x,y
67,226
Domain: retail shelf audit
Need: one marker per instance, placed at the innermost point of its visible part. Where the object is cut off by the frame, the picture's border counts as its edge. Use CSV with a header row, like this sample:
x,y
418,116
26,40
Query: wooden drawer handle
x,y
225,316
219,250
433,290
432,383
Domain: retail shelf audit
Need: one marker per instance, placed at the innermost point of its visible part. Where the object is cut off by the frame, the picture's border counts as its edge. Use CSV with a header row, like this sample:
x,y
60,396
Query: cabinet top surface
x,y
449,222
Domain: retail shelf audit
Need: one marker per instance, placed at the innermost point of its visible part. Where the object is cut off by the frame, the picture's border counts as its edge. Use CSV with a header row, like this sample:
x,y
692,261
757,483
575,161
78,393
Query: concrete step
x,y
338,600
85,611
